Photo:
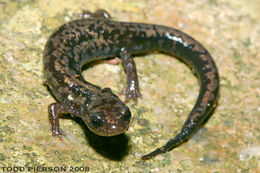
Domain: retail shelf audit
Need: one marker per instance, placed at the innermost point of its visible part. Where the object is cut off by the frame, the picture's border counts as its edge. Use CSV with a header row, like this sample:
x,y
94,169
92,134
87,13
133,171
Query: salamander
x,y
98,37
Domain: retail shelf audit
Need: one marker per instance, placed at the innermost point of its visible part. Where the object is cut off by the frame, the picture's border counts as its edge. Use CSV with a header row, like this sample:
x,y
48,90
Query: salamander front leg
x,y
54,110
132,90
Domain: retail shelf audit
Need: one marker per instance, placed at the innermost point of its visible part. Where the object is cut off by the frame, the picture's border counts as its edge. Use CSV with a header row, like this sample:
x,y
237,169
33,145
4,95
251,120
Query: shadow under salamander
x,y
114,147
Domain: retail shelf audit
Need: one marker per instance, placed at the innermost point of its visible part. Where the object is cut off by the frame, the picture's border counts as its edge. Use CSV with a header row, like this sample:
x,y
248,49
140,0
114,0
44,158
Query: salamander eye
x,y
127,114
95,120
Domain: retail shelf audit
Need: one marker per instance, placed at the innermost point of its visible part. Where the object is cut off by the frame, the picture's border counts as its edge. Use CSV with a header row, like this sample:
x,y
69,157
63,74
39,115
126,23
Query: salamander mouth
x,y
113,130
120,131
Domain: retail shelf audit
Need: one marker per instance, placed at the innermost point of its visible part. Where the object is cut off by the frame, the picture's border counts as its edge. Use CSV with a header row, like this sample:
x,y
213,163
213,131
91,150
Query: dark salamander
x,y
96,38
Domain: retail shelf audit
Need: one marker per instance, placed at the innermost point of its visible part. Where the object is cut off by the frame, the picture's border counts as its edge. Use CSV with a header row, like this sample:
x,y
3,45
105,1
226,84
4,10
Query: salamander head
x,y
107,114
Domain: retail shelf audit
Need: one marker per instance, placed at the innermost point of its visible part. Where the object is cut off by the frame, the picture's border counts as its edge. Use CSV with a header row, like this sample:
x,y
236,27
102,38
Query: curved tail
x,y
197,57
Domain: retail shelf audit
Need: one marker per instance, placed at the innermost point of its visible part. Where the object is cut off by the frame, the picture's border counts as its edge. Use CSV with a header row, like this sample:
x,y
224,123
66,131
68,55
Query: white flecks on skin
x,y
122,49
52,108
70,98
86,16
177,39
106,15
71,85
132,86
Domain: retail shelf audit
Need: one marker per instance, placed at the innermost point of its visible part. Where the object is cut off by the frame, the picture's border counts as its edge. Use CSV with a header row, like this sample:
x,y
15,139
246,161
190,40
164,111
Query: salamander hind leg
x,y
132,90
85,14
101,13
98,14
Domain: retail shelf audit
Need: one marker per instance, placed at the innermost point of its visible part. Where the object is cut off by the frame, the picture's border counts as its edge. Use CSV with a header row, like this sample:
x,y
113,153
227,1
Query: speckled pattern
x,y
82,41
228,142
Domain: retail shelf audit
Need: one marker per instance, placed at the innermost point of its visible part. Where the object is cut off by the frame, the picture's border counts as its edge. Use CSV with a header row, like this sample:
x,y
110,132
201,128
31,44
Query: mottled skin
x,y
96,38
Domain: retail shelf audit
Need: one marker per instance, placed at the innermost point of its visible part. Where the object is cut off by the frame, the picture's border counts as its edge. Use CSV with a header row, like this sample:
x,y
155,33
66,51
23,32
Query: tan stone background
x,y
229,142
